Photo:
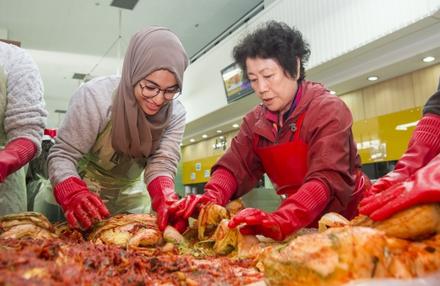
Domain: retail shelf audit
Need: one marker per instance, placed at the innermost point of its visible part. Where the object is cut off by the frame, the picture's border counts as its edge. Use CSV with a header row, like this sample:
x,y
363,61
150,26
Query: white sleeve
x,y
25,115
87,115
163,162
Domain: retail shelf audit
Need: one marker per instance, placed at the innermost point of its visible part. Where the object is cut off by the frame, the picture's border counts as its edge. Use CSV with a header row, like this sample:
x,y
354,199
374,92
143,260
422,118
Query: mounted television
x,y
236,85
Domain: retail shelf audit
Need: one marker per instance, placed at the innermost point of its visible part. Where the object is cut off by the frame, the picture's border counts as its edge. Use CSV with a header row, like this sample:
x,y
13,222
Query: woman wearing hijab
x,y
118,127
300,135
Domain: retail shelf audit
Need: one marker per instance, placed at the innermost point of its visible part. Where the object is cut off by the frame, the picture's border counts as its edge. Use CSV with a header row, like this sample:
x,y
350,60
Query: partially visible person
x,y
416,176
37,173
300,135
117,128
38,166
22,121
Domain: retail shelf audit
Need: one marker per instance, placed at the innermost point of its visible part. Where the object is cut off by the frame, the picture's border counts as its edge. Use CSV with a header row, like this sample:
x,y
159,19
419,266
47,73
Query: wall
x,y
199,157
381,111
403,92
205,148
385,137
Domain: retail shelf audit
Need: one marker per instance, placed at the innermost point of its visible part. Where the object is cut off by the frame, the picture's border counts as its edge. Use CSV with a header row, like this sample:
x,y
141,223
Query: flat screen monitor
x,y
236,85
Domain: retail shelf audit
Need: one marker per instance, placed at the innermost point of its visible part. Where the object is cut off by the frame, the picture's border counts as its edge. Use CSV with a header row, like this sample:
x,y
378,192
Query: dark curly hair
x,y
274,40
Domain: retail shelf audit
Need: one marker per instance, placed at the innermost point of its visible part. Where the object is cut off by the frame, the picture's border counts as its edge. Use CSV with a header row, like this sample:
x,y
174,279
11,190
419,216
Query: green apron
x,y
116,178
13,190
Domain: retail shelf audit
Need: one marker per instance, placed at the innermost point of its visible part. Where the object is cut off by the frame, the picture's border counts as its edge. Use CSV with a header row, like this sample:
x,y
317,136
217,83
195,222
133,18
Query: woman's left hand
x,y
255,221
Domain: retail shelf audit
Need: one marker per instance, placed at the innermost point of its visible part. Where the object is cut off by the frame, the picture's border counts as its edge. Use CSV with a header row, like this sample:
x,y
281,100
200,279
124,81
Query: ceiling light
x,y
192,140
79,76
404,127
204,136
125,4
428,59
221,137
235,125
373,78
219,131
332,92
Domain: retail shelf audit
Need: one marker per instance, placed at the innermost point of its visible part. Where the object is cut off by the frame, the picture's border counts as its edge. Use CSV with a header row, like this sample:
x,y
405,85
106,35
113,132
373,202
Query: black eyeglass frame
x,y
149,92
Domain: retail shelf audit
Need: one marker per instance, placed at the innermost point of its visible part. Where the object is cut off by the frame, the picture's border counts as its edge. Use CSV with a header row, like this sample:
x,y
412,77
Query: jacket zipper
x,y
292,127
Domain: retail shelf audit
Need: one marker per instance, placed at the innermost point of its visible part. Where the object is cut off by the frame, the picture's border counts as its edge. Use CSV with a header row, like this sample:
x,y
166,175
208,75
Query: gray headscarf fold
x,y
133,132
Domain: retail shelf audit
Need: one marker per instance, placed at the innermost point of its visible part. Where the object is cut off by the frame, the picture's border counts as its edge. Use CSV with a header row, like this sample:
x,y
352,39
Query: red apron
x,y
286,166
286,163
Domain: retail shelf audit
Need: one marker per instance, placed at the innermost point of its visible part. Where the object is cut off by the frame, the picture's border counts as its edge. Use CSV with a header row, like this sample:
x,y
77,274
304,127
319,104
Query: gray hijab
x,y
133,132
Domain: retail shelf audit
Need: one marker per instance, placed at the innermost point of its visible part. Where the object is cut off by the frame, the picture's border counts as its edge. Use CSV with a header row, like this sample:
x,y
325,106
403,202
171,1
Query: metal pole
x,y
119,49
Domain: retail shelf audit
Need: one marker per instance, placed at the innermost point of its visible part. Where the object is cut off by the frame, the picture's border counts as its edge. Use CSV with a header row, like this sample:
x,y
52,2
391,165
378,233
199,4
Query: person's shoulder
x,y
14,58
322,102
102,84
321,96
255,113
99,89
433,104
94,97
6,50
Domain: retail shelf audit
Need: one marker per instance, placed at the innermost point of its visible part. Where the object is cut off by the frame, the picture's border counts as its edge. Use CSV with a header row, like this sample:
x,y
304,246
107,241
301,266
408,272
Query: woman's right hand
x,y
81,207
387,181
421,188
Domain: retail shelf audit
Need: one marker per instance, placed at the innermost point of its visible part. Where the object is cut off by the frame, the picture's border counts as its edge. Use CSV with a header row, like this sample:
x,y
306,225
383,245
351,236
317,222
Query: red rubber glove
x,y
15,155
259,222
82,208
423,146
298,210
219,190
423,187
162,194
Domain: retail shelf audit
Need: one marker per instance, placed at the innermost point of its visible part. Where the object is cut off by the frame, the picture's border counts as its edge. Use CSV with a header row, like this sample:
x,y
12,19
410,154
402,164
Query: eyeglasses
x,y
150,90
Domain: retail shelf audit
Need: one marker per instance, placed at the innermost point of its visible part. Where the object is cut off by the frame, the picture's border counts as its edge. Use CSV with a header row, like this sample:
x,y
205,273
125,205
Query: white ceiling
x,y
72,36
90,26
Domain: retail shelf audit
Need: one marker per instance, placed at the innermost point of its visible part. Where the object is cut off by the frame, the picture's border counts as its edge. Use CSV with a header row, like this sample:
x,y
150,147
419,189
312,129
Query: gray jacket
x,y
88,114
25,115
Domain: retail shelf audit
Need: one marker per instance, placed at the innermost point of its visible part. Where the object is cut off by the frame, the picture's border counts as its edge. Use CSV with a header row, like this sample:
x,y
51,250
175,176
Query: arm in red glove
x,y
15,155
423,187
297,211
423,146
81,207
162,194
219,190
